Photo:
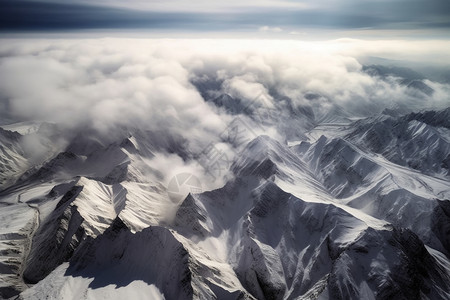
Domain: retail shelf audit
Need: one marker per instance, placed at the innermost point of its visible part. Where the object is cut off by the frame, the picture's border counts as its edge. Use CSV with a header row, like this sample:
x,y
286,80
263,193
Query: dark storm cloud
x,y
402,13
27,15
42,15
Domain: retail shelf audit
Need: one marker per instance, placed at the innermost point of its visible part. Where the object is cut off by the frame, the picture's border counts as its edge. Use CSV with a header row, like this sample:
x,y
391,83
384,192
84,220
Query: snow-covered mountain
x,y
342,210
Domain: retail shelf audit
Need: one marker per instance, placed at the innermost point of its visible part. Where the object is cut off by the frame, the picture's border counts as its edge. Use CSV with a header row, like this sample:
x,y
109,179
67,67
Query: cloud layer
x,y
106,85
108,82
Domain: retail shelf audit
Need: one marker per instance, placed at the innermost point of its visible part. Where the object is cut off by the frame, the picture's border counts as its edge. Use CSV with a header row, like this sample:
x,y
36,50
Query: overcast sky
x,y
266,16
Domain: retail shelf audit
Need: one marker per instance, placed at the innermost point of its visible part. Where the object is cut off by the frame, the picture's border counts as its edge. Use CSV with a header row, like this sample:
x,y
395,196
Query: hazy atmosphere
x,y
224,150
108,84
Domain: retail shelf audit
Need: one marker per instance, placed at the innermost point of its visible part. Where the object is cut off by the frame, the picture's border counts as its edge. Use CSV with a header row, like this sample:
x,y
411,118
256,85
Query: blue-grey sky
x,y
286,16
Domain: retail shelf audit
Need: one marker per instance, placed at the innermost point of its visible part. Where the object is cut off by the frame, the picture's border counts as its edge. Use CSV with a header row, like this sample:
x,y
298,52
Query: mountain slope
x,y
361,212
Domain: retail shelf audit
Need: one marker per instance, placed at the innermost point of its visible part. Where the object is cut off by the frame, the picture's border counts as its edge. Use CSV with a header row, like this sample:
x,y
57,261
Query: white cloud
x,y
297,32
270,29
109,81
107,84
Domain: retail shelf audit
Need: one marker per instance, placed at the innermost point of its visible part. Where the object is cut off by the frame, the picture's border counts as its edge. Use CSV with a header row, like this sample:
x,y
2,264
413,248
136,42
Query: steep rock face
x,y
403,208
190,217
284,248
85,210
12,158
15,235
58,237
341,168
119,258
372,185
440,224
24,149
391,264
265,157
408,141
105,164
59,166
295,255
152,255
432,118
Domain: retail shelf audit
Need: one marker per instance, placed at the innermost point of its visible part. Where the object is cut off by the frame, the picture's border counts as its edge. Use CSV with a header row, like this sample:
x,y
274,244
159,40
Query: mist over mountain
x,y
223,169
